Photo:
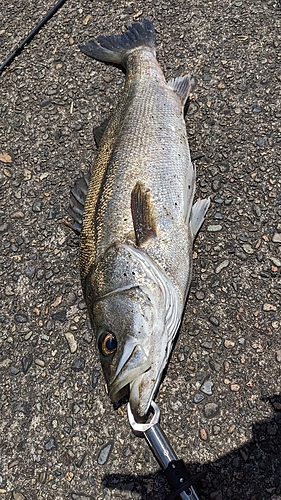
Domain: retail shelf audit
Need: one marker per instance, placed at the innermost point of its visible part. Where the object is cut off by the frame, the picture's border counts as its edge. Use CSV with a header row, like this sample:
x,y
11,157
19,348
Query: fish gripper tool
x,y
176,473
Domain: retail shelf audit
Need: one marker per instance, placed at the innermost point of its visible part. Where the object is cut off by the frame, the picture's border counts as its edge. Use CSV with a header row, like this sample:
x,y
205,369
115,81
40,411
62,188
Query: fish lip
x,y
129,370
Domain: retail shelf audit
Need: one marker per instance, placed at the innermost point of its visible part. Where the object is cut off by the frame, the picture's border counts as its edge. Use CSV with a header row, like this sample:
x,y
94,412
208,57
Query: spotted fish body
x,y
139,224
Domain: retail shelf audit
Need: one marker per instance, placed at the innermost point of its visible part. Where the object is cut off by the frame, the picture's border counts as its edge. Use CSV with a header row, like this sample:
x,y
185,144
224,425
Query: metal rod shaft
x,y
32,33
161,447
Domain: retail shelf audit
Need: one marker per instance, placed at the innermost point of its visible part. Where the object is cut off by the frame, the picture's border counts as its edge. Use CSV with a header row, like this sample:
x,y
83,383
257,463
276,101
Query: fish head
x,y
129,315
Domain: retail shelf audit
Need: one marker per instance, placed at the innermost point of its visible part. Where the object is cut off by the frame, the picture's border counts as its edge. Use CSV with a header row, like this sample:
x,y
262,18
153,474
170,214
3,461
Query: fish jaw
x,y
144,387
129,369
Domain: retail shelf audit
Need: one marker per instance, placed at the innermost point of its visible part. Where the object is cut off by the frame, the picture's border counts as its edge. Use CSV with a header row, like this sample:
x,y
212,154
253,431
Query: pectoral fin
x,y
142,214
197,215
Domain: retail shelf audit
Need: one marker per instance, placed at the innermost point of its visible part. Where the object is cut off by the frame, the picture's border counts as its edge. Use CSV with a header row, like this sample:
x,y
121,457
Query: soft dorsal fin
x,y
99,131
181,86
142,214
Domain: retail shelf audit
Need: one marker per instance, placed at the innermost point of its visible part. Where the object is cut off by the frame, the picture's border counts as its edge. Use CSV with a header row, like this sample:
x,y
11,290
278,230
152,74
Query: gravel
x,y
57,425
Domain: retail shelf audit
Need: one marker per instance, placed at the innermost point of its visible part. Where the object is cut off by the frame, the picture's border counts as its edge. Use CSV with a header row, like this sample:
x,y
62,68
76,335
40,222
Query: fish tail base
x,y
114,49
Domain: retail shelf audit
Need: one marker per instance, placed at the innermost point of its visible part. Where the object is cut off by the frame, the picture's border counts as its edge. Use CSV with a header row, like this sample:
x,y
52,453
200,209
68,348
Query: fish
x,y
137,220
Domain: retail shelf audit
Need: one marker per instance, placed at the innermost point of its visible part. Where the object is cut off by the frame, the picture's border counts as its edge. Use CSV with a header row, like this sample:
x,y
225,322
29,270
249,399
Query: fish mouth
x,y
131,366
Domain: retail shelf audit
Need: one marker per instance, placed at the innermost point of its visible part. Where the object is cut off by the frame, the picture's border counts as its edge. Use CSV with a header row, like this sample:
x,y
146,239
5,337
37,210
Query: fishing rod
x,y
179,478
32,33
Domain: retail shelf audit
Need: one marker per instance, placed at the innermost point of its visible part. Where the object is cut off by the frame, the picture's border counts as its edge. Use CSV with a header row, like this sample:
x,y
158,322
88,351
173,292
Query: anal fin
x,y
99,131
77,201
197,215
142,214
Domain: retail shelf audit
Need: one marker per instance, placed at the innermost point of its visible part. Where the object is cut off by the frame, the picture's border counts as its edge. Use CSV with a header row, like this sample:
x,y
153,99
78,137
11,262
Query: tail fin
x,y
114,49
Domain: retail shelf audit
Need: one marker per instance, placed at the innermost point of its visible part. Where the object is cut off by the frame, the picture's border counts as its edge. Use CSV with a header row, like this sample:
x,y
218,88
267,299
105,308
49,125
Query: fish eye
x,y
108,344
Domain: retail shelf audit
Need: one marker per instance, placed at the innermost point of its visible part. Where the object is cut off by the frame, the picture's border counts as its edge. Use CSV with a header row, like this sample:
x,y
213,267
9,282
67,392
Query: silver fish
x,y
138,224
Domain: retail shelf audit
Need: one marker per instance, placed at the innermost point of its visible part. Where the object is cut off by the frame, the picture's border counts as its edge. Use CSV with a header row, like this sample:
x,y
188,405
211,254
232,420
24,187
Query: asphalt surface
x,y
60,437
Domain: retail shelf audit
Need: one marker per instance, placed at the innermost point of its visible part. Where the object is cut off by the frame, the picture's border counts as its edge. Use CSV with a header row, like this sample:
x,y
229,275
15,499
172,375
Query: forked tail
x,y
115,49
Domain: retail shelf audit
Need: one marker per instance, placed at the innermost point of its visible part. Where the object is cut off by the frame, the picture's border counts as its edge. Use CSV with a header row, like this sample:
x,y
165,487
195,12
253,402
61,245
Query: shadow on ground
x,y
252,472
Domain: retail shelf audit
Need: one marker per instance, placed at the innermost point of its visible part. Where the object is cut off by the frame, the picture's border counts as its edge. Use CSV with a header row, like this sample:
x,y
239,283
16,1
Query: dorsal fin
x,y
99,131
142,214
181,86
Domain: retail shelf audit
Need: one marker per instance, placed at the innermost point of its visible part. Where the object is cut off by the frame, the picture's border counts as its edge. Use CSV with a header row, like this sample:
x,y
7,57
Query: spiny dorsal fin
x,y
142,214
99,131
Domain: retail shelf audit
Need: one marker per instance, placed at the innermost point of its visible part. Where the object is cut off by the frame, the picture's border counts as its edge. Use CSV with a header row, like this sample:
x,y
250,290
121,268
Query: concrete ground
x,y
220,400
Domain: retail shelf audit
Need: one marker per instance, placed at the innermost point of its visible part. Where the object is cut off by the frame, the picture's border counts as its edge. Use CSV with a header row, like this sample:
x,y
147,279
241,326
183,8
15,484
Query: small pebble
x,y
275,261
216,430
198,398
69,476
104,453
14,370
278,356
212,228
216,495
51,444
257,210
26,363
214,365
248,249
80,461
211,410
256,109
236,462
214,320
206,387
203,434
260,142
21,318
81,496
221,266
229,343
72,344
39,362
37,206
18,496
207,77
244,454
234,387
95,377
231,429
17,215
269,307
208,344
276,238
30,271
78,365
200,295
59,316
